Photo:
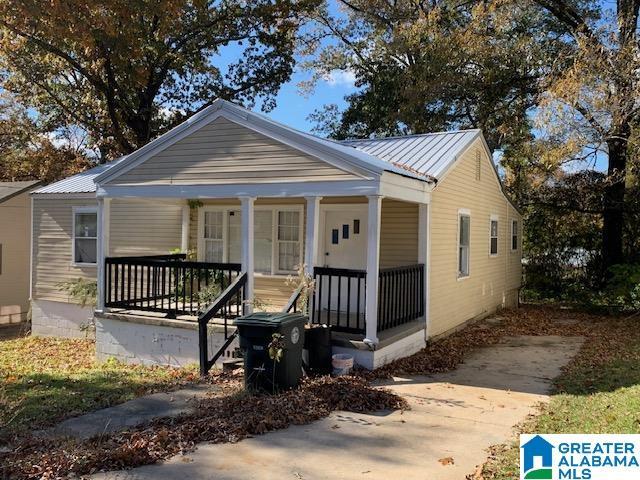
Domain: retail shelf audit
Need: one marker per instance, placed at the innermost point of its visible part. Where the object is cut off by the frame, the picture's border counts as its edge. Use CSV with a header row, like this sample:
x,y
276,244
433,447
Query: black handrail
x,y
292,304
233,296
400,295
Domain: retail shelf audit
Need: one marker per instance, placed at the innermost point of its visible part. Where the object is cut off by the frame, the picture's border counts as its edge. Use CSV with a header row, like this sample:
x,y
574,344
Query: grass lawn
x,y
599,392
44,380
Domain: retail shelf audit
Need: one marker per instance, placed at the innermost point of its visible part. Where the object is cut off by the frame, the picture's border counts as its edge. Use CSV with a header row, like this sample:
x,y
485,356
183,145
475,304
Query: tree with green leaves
x,y
125,71
429,66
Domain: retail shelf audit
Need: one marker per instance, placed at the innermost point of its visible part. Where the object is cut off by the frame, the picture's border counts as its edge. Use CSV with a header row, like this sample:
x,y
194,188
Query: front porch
x,y
368,272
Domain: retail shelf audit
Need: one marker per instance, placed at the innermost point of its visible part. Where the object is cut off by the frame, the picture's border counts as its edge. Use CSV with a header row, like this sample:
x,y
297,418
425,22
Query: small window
x,y
464,235
514,235
493,237
356,226
85,236
345,231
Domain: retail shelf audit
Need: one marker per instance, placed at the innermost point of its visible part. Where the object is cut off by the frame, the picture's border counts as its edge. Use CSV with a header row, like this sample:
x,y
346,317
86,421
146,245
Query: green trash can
x,y
261,373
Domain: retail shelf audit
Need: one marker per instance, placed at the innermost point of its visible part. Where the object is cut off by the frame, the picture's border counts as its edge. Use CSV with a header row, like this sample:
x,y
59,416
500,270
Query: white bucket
x,y
342,363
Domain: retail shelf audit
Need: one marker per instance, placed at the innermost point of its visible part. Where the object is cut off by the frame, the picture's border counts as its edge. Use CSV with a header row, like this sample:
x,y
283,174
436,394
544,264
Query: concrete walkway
x,y
454,418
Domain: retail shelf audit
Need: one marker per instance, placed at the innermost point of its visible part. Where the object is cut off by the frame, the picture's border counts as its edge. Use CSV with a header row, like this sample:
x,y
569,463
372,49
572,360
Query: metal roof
x,y
424,157
11,189
429,154
79,183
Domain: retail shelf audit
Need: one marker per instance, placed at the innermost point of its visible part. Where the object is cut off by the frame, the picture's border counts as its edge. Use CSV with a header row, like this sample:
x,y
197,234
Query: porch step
x,y
232,364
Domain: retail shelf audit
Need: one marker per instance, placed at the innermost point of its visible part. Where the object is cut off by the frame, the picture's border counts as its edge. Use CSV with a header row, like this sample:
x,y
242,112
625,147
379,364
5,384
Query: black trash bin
x,y
256,331
317,341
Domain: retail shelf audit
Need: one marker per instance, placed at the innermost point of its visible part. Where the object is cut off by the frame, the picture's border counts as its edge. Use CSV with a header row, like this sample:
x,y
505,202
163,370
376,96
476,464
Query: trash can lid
x,y
269,319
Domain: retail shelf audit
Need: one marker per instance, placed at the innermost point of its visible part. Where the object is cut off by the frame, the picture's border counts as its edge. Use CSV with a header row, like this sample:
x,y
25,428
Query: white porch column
x,y
312,240
104,215
373,268
186,212
247,248
424,245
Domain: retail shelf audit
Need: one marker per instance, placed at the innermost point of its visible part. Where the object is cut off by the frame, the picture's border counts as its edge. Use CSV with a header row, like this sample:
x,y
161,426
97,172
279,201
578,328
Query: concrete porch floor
x,y
458,414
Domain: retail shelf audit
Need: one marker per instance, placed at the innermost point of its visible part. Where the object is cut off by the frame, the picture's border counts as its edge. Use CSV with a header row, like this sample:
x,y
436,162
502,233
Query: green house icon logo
x,y
537,459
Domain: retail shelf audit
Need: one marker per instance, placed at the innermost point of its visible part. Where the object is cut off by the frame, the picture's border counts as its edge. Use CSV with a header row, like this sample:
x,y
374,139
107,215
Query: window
x,y
213,237
514,234
288,240
85,235
493,236
464,234
277,237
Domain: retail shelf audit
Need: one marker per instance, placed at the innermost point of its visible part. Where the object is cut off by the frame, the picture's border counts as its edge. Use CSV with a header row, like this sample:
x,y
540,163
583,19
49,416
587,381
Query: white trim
x,y
373,269
186,219
312,242
103,231
494,218
247,249
292,189
31,253
463,212
74,211
423,254
274,208
69,196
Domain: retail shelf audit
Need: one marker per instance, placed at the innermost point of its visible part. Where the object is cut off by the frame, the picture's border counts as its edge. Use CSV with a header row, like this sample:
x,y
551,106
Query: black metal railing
x,y
339,299
165,283
230,304
400,295
294,302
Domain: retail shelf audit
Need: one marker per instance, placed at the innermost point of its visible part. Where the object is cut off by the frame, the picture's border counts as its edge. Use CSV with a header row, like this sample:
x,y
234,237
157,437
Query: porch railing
x,y
166,283
339,297
228,305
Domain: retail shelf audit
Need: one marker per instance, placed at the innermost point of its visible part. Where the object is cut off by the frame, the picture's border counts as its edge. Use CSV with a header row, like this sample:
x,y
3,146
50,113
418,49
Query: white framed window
x,y
493,236
289,233
515,235
213,236
277,237
85,236
464,243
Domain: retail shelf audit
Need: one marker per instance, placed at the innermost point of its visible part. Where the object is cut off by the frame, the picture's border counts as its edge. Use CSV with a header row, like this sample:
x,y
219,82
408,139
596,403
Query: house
x,y
15,207
406,238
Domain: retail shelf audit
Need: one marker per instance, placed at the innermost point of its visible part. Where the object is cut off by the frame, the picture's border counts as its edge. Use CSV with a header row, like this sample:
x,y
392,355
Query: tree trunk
x,y
613,217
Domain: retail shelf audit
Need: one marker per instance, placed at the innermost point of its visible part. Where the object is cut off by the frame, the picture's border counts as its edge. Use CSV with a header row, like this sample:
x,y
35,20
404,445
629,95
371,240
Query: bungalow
x,y
14,250
406,238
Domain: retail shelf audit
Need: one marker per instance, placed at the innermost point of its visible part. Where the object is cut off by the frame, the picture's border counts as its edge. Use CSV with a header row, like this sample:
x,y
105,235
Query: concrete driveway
x,y
454,418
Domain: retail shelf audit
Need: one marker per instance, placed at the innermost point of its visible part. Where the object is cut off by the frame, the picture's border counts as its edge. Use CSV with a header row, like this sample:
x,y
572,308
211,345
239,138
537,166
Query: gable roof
x,y
426,157
334,153
429,154
79,183
11,189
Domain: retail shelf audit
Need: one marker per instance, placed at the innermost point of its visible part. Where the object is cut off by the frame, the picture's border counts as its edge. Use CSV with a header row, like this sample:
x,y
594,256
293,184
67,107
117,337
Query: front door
x,y
345,237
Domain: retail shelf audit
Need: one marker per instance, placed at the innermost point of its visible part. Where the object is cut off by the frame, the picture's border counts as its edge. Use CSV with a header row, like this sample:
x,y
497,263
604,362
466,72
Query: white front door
x,y
345,237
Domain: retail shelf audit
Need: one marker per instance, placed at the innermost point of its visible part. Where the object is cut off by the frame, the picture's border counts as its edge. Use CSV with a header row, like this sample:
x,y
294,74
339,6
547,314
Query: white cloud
x,y
337,78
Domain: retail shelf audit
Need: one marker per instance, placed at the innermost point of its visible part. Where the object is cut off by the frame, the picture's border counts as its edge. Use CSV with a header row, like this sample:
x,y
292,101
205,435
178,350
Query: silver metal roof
x,y
79,183
11,189
429,154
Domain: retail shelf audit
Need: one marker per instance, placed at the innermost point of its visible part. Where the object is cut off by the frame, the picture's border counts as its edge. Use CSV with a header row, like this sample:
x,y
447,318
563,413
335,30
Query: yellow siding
x,y
493,281
53,261
224,152
145,227
15,216
398,234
